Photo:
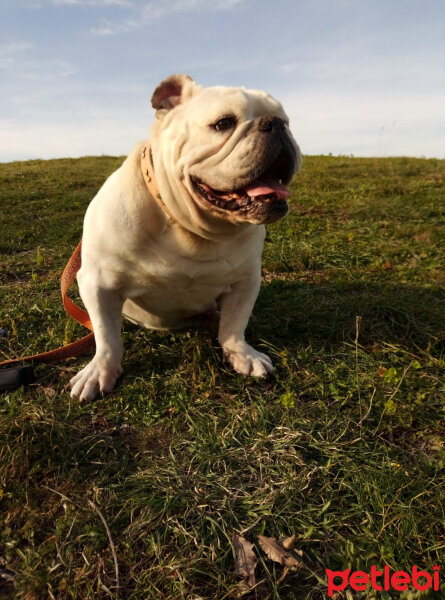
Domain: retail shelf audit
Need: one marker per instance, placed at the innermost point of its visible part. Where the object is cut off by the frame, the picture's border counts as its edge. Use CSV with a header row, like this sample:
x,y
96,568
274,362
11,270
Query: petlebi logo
x,y
383,579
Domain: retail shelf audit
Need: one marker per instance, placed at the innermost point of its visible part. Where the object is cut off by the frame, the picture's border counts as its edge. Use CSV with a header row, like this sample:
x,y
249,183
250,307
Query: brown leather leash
x,y
13,377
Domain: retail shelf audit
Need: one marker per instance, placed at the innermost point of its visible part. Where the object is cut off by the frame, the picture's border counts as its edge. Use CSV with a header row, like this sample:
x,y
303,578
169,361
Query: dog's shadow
x,y
301,313
290,315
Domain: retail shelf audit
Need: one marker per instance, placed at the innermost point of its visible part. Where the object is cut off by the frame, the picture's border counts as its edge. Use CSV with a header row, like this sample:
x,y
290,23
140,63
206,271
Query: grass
x,y
344,446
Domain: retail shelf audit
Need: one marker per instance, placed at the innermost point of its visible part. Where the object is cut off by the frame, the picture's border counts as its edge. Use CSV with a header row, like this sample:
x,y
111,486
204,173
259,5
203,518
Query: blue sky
x,y
361,77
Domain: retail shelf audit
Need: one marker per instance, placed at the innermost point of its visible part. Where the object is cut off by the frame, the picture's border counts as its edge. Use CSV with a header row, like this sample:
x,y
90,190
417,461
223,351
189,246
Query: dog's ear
x,y
173,91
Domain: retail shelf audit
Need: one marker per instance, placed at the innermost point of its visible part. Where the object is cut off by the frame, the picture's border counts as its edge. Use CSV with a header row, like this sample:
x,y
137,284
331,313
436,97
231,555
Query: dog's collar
x,y
150,180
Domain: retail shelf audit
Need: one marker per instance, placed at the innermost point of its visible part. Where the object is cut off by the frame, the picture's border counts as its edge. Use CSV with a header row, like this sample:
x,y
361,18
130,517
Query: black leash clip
x,y
14,377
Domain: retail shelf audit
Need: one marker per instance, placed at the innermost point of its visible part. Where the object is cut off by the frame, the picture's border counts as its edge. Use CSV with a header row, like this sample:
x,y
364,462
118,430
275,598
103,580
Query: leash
x,y
23,375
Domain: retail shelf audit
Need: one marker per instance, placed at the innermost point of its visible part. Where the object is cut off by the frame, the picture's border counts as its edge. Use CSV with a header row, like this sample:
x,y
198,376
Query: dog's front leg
x,y
236,308
105,310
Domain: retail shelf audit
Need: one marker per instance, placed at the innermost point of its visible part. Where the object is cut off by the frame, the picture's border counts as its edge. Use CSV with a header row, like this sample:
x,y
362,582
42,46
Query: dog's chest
x,y
177,276
166,292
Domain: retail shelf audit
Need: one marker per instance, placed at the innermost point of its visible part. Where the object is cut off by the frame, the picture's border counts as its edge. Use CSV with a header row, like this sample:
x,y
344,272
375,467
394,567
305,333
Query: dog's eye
x,y
225,124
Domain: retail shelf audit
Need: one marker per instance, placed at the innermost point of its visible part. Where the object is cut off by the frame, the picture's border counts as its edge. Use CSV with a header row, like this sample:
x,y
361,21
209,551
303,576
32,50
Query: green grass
x,y
344,446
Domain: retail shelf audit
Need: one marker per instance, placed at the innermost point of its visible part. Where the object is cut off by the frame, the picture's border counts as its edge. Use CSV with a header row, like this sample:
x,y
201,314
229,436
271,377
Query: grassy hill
x,y
344,446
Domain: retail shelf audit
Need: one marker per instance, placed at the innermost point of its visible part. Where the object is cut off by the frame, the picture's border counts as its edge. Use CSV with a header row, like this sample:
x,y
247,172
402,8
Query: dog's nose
x,y
270,124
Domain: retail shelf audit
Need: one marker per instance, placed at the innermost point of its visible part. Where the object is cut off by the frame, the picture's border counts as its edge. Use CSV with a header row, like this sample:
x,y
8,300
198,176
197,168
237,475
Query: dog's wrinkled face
x,y
223,155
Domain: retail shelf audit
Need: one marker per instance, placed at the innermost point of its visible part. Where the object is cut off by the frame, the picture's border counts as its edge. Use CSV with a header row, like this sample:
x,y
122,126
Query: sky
x,y
356,77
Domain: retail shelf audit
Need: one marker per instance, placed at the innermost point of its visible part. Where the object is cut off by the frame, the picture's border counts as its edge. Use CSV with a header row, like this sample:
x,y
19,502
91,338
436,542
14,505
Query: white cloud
x,y
42,71
95,3
157,10
11,53
6,63
23,141
14,48
367,124
106,27
52,69
291,67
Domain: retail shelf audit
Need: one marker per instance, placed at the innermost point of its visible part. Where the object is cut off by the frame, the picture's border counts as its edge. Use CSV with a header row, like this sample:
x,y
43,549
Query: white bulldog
x,y
179,227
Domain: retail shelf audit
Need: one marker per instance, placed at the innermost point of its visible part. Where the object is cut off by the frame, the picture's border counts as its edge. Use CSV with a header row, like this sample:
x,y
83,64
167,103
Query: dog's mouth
x,y
263,199
264,191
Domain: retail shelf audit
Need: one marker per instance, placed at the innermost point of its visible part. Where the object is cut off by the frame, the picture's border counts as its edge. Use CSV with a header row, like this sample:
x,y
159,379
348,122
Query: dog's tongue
x,y
267,188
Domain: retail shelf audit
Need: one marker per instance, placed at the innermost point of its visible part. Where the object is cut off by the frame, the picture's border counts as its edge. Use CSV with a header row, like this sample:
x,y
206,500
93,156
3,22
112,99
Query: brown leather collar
x,y
150,180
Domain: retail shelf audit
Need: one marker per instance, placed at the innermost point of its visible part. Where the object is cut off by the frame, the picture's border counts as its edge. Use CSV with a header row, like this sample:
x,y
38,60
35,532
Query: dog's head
x,y
221,155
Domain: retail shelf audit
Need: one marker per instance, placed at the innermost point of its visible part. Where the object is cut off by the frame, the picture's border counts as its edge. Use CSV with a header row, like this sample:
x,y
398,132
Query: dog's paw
x,y
98,377
248,361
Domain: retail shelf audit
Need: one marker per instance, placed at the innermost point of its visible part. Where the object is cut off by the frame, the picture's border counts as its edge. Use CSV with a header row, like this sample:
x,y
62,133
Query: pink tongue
x,y
263,188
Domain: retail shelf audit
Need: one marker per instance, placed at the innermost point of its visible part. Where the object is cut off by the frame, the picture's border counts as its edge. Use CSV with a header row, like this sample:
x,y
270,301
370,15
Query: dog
x,y
179,227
